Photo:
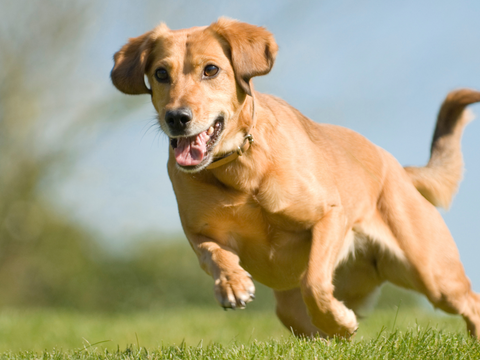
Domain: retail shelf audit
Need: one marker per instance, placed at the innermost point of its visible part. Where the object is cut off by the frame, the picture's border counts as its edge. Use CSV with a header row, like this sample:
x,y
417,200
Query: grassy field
x,y
211,333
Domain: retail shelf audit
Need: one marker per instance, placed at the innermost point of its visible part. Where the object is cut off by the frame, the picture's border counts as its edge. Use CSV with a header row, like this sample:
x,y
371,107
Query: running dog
x,y
314,211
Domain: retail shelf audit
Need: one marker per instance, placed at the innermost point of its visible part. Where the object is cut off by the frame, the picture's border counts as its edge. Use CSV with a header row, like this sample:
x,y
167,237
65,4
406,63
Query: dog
x,y
314,211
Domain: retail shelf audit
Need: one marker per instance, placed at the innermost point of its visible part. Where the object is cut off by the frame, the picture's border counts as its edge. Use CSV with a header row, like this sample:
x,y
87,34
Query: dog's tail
x,y
438,181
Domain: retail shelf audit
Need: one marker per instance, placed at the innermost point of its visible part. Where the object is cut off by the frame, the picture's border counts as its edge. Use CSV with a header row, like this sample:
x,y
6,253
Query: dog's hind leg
x,y
292,312
430,262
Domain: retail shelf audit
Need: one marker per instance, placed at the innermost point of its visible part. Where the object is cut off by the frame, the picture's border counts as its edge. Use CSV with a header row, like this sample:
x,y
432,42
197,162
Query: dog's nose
x,y
178,119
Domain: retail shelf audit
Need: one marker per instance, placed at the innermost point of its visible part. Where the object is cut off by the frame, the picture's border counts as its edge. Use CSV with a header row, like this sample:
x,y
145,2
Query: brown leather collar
x,y
247,142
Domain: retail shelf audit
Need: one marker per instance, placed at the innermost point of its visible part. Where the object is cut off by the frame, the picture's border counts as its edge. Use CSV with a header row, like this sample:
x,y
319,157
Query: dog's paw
x,y
349,323
346,325
234,289
341,322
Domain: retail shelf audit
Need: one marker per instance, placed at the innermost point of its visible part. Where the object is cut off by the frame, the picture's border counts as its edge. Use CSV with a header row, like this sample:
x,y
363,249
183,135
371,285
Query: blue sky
x,y
381,68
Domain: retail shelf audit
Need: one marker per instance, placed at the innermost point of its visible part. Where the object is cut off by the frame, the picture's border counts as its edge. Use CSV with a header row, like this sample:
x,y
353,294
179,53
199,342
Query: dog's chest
x,y
271,237
273,247
271,209
268,227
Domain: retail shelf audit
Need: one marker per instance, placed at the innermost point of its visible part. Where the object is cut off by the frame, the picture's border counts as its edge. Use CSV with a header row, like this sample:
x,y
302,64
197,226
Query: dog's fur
x,y
316,212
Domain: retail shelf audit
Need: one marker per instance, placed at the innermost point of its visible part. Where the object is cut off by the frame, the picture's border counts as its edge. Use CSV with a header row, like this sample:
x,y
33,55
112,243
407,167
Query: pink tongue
x,y
191,151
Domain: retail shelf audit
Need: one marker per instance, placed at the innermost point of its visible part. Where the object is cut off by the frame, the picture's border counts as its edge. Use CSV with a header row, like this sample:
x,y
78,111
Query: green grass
x,y
191,333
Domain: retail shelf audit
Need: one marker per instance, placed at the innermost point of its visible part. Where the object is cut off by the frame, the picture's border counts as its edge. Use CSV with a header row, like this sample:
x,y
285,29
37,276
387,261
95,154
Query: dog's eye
x,y
210,71
161,75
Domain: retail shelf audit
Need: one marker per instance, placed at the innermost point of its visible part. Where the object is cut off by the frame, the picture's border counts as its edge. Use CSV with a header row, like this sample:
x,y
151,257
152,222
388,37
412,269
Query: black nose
x,y
178,119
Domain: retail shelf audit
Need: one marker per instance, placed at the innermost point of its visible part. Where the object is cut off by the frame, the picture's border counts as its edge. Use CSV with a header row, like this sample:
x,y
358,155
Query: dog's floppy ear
x,y
130,65
252,49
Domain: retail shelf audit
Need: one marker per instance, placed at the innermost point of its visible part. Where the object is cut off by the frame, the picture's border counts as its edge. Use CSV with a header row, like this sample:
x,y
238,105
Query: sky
x,y
381,68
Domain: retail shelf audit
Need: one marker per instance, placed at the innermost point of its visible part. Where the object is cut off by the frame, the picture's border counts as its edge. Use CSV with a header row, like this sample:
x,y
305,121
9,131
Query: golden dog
x,y
315,212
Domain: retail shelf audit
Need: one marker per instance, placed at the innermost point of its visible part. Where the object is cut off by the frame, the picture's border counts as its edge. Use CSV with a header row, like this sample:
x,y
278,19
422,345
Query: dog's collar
x,y
247,142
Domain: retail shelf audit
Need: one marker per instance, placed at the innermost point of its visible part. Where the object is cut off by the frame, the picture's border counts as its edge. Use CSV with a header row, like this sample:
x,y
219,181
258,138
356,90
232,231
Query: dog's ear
x,y
252,49
131,63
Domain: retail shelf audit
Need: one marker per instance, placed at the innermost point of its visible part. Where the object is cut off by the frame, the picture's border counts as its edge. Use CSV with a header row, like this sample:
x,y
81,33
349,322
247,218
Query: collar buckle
x,y
250,140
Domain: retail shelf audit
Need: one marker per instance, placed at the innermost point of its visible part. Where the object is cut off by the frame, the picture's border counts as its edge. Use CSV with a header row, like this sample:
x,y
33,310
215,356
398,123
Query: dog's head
x,y
199,79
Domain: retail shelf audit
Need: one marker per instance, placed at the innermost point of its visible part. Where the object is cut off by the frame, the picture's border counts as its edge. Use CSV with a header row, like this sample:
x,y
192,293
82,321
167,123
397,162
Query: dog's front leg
x,y
233,285
326,312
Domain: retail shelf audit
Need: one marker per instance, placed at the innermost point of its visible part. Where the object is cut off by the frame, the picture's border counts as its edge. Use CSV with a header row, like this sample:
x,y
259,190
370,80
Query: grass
x,y
205,333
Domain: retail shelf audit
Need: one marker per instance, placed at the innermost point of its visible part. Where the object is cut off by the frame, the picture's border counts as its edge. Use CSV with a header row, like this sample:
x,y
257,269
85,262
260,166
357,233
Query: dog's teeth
x,y
210,130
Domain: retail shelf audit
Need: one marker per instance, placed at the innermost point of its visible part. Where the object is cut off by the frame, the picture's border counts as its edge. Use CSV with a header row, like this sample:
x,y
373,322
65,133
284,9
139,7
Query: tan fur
x,y
439,180
316,212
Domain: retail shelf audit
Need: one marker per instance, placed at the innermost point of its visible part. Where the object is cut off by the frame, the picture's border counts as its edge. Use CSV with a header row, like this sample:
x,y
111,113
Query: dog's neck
x,y
241,149
243,173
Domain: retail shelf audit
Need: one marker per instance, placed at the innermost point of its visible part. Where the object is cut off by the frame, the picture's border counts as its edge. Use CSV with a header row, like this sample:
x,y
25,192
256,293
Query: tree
x,y
45,258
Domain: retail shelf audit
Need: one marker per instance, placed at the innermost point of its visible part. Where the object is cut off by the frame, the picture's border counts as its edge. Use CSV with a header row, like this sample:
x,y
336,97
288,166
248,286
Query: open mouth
x,y
193,150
